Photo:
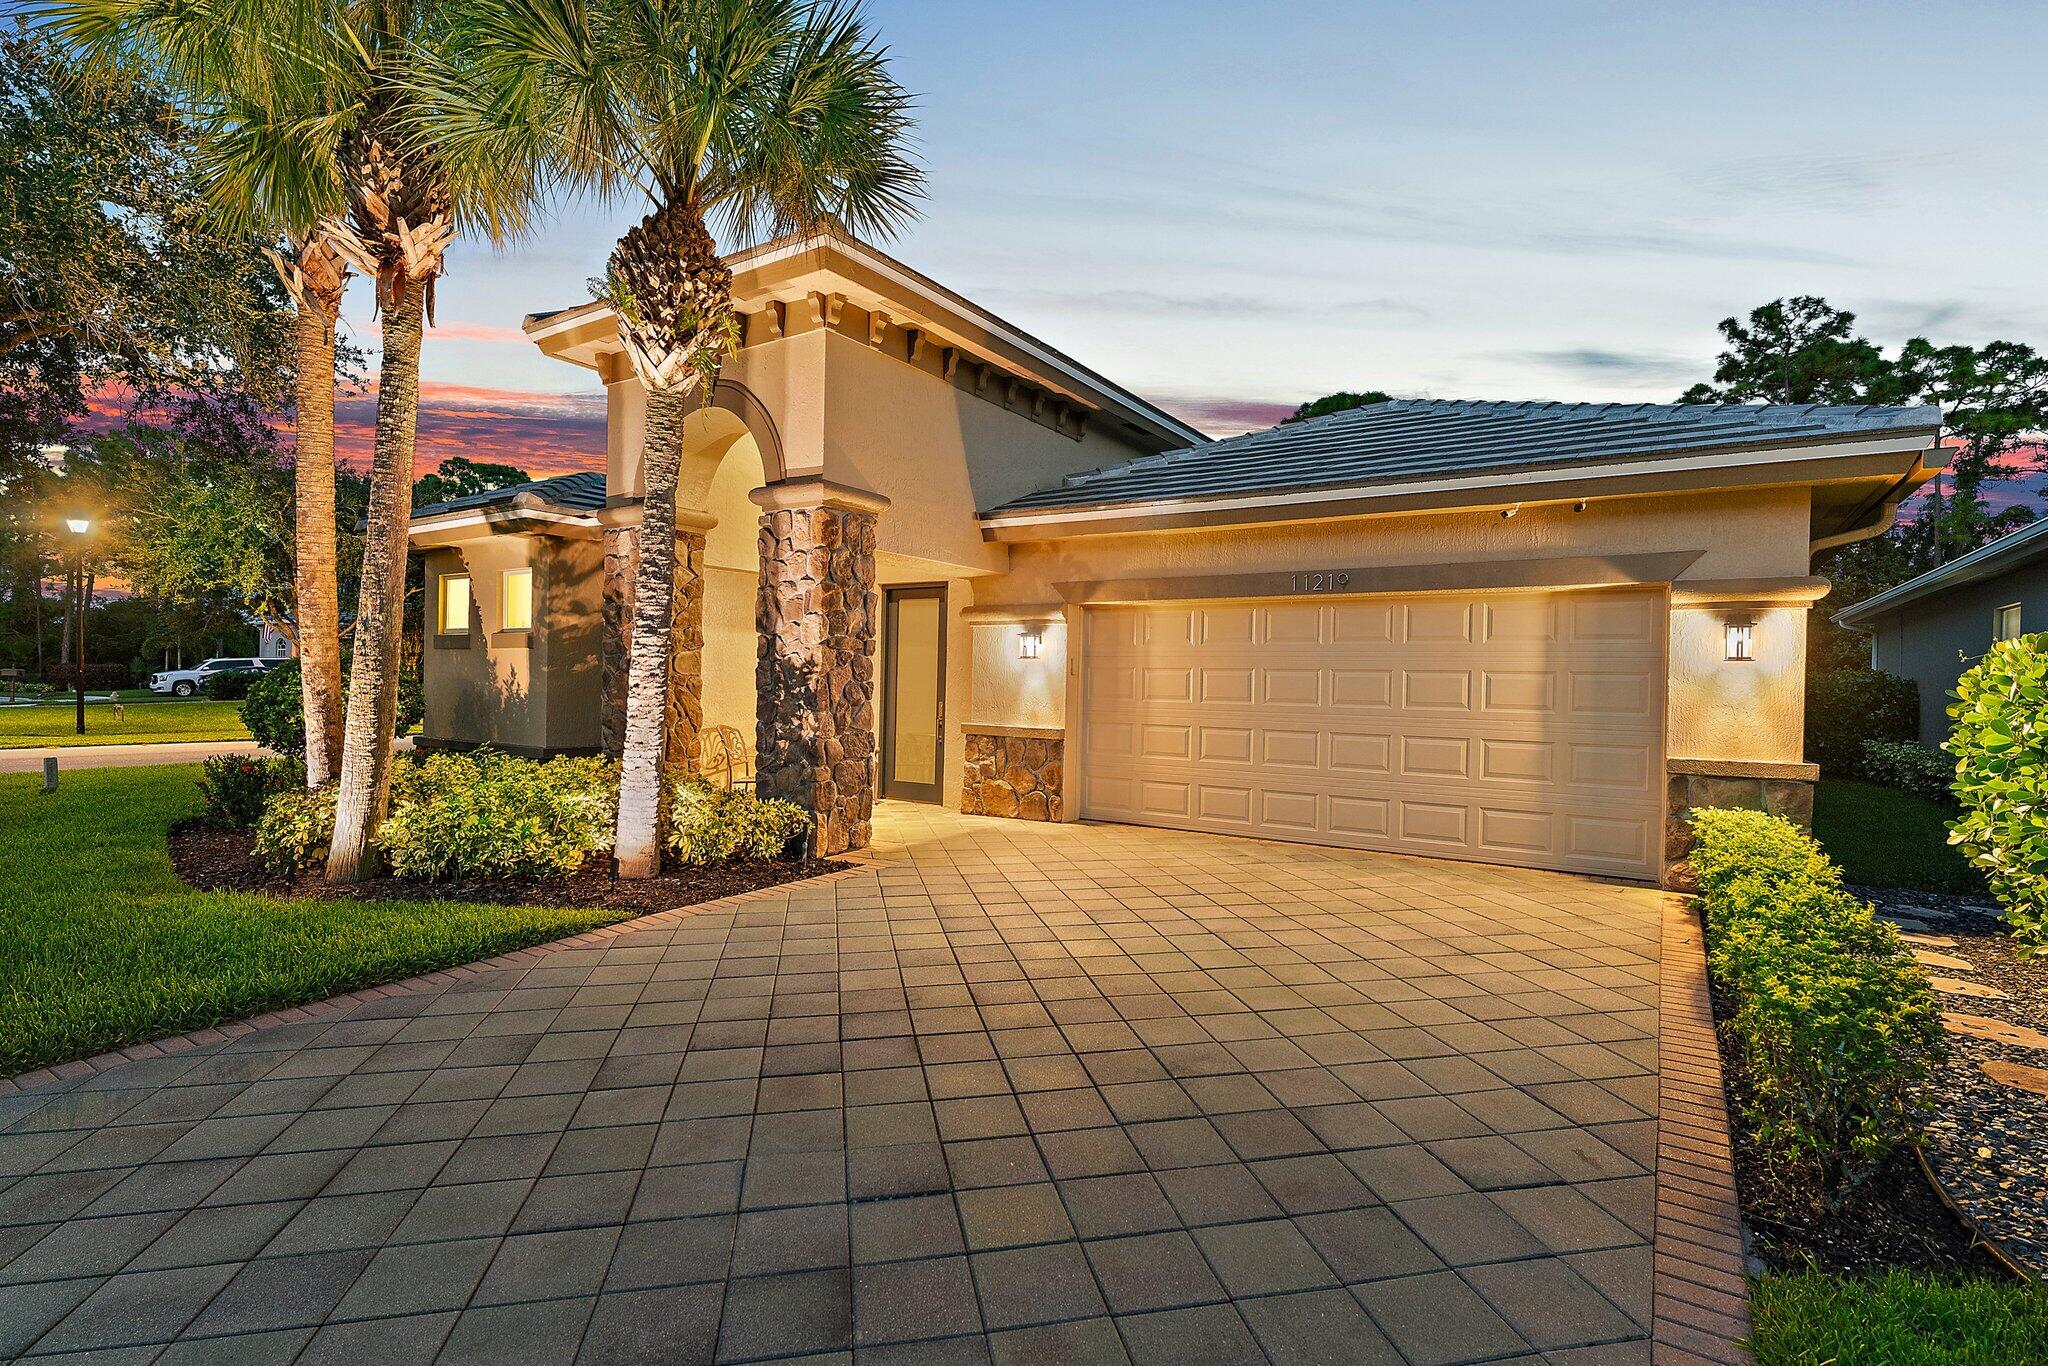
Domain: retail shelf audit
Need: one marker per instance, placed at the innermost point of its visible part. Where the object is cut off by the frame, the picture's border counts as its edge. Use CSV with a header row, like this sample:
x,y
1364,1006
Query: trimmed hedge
x,y
98,677
2000,743
231,685
1838,1028
1911,768
1845,707
274,709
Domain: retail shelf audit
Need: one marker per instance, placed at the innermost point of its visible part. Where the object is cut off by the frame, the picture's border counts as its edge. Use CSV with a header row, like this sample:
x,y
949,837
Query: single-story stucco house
x,y
929,557
1932,628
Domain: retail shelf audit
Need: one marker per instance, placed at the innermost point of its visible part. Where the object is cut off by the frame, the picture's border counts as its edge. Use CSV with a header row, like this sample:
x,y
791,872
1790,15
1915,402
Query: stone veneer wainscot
x,y
1784,790
1016,771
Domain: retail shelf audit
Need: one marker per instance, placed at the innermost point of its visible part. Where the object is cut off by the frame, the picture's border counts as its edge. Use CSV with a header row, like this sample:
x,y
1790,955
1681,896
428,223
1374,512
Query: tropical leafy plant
x,y
2000,743
709,824
491,815
297,826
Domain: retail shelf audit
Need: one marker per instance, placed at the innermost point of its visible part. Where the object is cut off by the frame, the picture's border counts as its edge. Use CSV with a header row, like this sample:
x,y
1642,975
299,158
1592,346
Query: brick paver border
x,y
1700,1297
348,1001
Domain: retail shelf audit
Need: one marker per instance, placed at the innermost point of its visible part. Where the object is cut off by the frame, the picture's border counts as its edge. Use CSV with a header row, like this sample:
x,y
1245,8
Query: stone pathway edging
x,y
1700,1294
342,1004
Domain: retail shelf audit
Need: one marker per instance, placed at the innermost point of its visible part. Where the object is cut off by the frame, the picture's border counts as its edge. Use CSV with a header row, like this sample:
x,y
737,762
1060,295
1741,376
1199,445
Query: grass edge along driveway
x,y
49,725
1900,1319
101,946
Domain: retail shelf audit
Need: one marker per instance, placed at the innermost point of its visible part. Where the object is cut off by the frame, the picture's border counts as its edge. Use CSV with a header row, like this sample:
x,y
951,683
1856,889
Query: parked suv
x,y
188,682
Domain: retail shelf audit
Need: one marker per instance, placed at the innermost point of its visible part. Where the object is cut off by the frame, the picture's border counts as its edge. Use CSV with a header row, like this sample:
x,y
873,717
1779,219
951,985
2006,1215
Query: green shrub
x,y
1910,768
491,815
2000,744
274,712
1838,1027
1845,707
236,786
296,828
712,825
231,686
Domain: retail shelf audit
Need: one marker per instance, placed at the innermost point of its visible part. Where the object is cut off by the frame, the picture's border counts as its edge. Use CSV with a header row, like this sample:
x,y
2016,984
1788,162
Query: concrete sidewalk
x,y
122,756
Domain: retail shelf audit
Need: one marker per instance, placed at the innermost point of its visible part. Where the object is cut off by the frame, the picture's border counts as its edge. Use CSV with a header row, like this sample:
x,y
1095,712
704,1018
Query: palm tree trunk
x,y
316,592
380,611
637,846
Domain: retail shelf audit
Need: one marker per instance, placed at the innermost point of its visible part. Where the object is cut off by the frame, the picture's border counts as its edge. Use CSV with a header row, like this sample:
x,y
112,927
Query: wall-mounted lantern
x,y
1030,642
1740,635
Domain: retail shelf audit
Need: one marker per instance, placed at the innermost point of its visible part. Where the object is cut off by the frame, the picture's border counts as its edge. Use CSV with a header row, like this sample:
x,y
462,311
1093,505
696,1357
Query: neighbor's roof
x,y
2007,553
1418,439
583,492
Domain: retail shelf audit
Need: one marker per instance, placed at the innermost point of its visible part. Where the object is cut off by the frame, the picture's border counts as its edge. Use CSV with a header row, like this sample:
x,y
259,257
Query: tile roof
x,y
581,492
2010,551
1417,438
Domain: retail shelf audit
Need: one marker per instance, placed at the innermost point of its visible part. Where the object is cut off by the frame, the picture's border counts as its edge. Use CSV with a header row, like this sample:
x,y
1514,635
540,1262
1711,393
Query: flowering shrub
x,y
2000,744
1838,1027
712,825
296,828
490,815
235,786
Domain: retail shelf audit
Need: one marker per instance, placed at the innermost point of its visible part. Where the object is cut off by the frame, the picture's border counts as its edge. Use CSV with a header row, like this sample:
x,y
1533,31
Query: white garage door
x,y
1520,728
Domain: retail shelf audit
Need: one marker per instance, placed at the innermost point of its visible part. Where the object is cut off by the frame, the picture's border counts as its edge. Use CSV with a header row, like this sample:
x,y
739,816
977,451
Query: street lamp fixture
x,y
80,526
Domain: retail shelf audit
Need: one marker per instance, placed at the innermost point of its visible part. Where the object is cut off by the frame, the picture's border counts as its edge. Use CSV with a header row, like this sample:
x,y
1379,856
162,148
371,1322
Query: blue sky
x,y
1233,207
1229,207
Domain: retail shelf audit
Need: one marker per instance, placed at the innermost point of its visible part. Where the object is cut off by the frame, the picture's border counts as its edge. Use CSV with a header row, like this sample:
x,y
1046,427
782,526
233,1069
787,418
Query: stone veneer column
x,y
685,716
814,674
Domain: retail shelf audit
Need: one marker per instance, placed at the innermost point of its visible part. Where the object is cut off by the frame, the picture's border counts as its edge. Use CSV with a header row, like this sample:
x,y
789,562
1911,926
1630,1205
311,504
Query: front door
x,y
913,693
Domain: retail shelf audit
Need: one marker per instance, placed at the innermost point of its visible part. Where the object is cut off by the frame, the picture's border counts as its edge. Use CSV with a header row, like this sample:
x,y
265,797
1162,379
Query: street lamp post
x,y
80,527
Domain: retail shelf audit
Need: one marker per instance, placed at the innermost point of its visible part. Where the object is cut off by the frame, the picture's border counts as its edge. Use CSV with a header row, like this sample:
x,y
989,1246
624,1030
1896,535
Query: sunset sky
x,y
1230,208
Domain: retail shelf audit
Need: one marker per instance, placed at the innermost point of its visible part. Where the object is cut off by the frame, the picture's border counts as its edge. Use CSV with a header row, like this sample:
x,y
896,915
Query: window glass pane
x,y
454,604
915,713
2008,623
518,599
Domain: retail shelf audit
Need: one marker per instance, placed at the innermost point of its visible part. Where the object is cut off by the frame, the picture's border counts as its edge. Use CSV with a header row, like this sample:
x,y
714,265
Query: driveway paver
x,y
1013,1092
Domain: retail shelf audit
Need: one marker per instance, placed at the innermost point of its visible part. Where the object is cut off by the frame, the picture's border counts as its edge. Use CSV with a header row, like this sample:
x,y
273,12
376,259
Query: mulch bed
x,y
216,860
1988,1141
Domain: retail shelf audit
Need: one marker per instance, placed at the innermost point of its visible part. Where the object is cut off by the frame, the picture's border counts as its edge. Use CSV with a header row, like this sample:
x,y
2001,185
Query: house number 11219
x,y
1321,581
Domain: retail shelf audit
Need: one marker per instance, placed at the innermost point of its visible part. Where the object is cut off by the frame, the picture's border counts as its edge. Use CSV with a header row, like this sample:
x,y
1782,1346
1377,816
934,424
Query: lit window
x,y
454,604
2005,623
518,599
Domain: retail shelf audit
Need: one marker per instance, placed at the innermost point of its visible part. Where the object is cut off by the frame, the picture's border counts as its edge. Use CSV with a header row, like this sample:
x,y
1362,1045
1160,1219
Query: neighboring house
x,y
1932,628
272,643
930,557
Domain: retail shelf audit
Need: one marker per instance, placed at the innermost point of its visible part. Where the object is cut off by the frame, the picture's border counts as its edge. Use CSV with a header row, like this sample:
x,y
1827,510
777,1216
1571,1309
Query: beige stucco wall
x,y
1716,709
522,690
1012,691
1720,709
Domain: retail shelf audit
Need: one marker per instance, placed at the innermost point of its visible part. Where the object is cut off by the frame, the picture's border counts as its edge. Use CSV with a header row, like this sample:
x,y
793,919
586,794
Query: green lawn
x,y
144,723
1886,838
1900,1319
101,946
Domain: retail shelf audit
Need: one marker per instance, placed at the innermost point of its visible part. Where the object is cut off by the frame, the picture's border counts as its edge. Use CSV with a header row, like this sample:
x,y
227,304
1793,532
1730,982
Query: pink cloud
x,y
458,331
1215,416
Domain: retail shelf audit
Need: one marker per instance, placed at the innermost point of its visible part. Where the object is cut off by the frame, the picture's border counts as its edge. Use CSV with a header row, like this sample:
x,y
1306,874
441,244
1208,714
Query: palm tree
x,y
236,68
328,128
759,116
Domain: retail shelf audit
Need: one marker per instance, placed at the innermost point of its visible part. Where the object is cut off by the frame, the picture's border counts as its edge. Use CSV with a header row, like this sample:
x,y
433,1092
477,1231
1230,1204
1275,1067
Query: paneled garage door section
x,y
1521,728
